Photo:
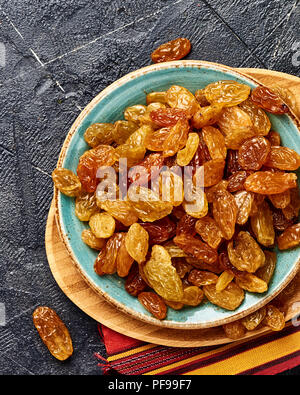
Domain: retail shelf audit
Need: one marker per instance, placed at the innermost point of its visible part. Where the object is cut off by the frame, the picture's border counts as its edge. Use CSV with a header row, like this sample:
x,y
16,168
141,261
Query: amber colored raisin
x,y
85,206
224,280
181,266
260,120
268,183
134,284
180,97
196,248
171,50
207,116
236,125
176,138
202,277
244,201
268,100
149,168
210,173
53,332
215,142
102,225
290,238
262,225
230,298
234,330
99,133
281,200
267,270
245,253
253,153
236,181
106,261
225,212
274,318
91,161
209,231
162,275
192,296
155,139
229,93
283,158
274,138
156,97
164,117
251,283
292,210
91,240
134,112
185,155
137,242
66,182
124,260
154,304
147,205
252,320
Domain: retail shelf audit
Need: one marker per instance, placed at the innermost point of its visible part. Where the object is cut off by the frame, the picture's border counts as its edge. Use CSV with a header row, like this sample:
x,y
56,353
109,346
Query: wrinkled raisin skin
x,y
172,50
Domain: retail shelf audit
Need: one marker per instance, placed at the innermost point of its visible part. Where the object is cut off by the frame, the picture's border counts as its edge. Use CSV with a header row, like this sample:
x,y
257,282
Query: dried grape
x,y
262,225
207,116
91,240
102,225
268,100
252,320
154,304
289,238
85,206
176,138
171,50
215,142
230,298
185,155
253,153
236,125
283,158
229,93
260,120
268,183
53,332
234,330
245,254
181,98
66,182
137,242
99,133
162,276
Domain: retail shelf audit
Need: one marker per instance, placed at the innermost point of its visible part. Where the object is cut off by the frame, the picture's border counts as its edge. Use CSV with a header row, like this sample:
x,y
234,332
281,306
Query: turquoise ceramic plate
x,y
108,106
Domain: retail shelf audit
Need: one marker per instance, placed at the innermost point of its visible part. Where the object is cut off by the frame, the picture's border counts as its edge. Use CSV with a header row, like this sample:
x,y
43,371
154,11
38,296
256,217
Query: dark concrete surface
x,y
55,56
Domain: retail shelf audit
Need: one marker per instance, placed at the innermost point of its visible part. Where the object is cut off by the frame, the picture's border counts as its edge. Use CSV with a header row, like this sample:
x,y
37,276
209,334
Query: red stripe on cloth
x,y
152,359
277,366
116,343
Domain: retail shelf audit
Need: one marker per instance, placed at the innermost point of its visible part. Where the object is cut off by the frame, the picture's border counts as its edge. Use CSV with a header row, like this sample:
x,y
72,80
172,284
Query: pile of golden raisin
x,y
169,254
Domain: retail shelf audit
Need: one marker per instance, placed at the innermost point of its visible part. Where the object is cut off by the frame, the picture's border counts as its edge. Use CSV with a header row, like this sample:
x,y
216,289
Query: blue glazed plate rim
x,y
58,206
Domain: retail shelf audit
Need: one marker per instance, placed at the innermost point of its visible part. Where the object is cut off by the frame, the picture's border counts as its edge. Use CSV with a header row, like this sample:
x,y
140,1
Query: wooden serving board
x,y
79,292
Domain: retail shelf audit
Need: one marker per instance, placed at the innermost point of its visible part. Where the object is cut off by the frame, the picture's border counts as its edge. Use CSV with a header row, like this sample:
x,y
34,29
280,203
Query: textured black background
x,y
58,55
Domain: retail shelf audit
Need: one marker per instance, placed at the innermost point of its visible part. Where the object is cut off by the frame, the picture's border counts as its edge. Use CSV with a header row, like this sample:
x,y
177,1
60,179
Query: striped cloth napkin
x,y
268,354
